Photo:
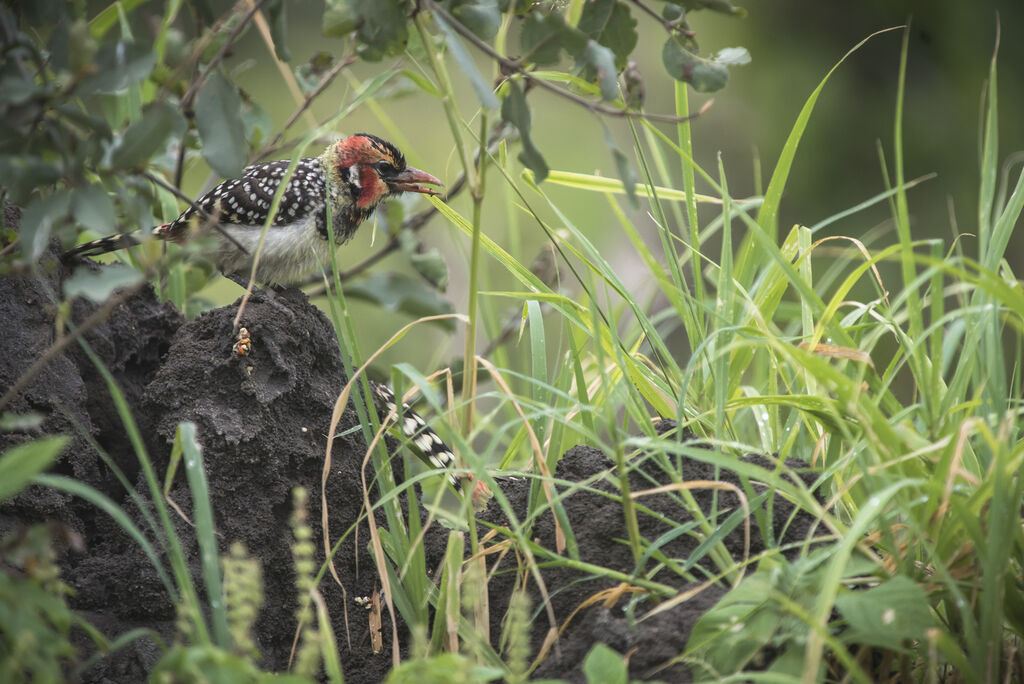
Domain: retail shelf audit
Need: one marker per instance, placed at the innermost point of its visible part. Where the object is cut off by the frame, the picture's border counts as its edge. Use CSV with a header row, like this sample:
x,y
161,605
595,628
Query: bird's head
x,y
373,170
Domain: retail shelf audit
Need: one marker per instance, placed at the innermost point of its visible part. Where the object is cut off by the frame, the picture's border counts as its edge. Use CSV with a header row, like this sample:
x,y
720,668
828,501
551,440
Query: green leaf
x,y
20,464
118,66
541,37
22,175
704,75
444,668
81,47
146,136
216,665
275,14
97,286
15,90
601,62
428,263
206,534
38,220
380,25
311,72
401,293
482,17
219,120
757,613
258,125
626,174
462,58
610,24
605,666
515,110
91,207
894,611
722,6
340,18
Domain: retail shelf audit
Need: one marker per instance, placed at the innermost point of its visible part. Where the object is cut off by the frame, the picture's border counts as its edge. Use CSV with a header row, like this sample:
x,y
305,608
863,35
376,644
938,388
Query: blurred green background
x,y
793,45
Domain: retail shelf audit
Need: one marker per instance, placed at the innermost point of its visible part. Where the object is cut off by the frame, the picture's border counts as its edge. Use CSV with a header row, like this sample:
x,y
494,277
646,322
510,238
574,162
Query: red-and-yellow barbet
x,y
354,175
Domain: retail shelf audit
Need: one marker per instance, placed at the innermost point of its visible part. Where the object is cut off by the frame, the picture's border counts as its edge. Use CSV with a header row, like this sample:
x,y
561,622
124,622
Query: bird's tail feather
x,y
110,243
428,445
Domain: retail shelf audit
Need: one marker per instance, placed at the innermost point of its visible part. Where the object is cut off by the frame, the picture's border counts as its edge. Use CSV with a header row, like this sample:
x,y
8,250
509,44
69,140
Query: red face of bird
x,y
374,169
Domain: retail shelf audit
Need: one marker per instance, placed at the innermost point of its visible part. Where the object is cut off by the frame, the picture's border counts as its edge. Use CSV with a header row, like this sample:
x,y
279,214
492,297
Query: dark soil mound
x,y
262,421
600,530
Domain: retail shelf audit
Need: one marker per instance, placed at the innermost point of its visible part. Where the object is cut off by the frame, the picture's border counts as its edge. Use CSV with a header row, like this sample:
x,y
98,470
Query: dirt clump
x,y
262,421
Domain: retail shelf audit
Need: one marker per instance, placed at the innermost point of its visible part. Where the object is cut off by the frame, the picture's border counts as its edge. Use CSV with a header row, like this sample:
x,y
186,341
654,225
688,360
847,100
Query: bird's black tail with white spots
x,y
431,448
110,243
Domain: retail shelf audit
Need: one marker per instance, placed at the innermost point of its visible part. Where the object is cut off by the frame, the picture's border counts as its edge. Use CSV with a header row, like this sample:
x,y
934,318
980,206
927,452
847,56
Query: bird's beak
x,y
409,181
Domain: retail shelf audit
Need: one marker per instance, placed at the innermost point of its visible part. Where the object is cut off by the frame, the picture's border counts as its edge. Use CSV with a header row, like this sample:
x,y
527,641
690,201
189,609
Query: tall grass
x,y
903,392
907,403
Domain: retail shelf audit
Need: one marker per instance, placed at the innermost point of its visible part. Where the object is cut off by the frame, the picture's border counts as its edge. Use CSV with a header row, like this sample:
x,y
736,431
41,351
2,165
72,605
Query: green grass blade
x,y
768,216
206,534
18,465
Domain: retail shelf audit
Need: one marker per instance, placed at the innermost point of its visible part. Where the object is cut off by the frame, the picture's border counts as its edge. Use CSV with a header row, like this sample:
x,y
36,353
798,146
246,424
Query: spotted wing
x,y
247,200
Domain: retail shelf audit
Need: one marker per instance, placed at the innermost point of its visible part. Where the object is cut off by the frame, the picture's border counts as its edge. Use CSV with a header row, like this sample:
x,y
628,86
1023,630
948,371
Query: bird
x,y
356,173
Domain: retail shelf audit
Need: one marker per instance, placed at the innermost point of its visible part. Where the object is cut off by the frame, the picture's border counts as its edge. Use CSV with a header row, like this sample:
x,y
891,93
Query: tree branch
x,y
512,66
193,89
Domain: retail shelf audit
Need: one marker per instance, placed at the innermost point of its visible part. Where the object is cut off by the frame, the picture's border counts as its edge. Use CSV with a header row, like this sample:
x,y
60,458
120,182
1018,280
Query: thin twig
x,y
670,26
514,66
97,317
185,103
193,89
324,82
157,180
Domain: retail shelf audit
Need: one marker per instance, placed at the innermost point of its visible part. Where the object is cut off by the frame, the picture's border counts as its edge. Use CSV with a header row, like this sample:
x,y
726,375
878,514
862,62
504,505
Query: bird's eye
x,y
386,168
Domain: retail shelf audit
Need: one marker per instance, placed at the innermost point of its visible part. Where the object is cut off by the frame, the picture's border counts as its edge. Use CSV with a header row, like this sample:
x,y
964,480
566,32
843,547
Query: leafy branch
x,y
515,66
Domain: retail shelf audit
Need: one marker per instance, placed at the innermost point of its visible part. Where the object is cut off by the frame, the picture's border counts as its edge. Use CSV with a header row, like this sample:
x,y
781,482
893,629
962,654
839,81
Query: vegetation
x,y
893,368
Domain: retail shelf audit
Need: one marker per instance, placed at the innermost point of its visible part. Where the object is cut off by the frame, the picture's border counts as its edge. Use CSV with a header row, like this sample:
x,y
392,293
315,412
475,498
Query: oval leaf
x,y
92,208
428,263
399,292
601,62
705,76
603,664
736,56
118,65
541,38
888,614
515,110
38,220
97,286
23,462
219,120
610,24
482,17
146,136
